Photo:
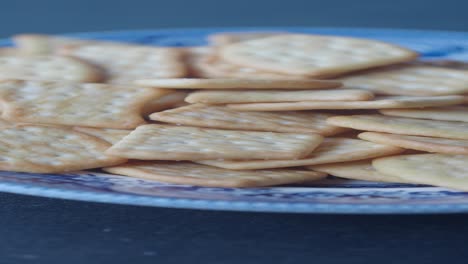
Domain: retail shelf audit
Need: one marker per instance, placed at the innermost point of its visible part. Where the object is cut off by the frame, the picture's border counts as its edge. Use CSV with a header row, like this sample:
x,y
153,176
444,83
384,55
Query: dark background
x,y
58,16
41,230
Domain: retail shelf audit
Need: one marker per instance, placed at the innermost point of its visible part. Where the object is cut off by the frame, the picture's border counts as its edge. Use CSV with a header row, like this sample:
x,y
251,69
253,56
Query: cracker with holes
x,y
48,67
382,102
451,113
225,118
434,169
225,38
332,150
48,149
161,142
107,134
411,80
193,83
402,125
428,144
77,104
356,170
263,96
202,175
124,64
314,55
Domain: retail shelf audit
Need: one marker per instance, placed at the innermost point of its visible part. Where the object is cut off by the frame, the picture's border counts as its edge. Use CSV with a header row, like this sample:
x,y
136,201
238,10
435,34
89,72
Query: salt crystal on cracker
x,y
161,142
77,104
47,149
411,80
225,118
314,55
332,150
48,67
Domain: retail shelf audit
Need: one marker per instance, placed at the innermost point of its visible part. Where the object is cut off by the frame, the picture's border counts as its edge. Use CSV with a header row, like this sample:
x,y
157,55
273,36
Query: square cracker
x,y
212,66
382,102
225,118
48,67
107,134
314,55
435,169
225,38
202,175
194,83
411,80
332,150
428,144
126,63
402,125
263,96
76,104
48,149
171,100
160,142
356,170
451,113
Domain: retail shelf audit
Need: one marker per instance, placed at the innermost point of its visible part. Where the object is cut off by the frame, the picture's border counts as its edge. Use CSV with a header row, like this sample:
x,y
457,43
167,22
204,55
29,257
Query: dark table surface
x,y
42,230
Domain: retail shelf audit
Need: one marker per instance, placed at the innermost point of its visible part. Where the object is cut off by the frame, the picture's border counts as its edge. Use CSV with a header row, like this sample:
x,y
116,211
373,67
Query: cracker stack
x,y
251,109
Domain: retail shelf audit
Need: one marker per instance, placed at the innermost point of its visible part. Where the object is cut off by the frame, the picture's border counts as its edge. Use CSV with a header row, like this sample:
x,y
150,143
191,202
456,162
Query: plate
x,y
331,195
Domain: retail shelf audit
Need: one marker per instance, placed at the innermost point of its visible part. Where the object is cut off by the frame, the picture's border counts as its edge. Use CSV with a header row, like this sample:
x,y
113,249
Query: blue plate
x,y
329,196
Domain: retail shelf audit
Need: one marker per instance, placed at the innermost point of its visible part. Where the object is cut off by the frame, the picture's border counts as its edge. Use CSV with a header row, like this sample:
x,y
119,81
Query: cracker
x,y
450,64
192,83
170,100
255,96
428,144
382,102
77,104
48,149
107,134
411,80
223,117
160,142
356,170
452,113
206,64
225,38
314,55
126,63
202,175
434,169
38,44
332,150
194,59
57,68
401,125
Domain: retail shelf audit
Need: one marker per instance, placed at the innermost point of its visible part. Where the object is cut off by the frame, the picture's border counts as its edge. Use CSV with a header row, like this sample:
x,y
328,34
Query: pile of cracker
x,y
249,109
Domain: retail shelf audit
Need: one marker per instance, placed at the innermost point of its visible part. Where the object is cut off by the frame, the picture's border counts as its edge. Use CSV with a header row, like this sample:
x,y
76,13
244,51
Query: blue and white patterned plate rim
x,y
331,197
